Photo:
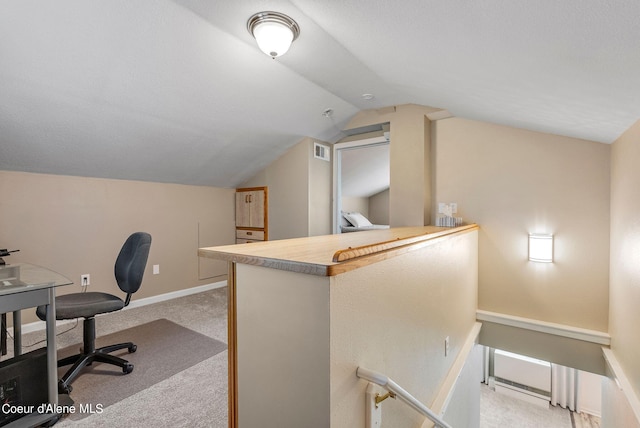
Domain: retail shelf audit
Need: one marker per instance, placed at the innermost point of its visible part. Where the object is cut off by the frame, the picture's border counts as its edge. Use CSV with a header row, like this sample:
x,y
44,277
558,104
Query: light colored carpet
x,y
582,420
194,397
190,398
164,349
501,411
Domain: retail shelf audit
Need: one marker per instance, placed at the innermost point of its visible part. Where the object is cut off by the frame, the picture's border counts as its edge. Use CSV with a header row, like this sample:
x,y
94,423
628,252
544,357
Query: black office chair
x,y
129,269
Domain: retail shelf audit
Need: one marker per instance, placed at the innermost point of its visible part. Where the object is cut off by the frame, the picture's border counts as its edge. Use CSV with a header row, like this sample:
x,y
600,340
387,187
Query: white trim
x,y
176,294
40,325
592,412
623,381
337,176
522,394
599,337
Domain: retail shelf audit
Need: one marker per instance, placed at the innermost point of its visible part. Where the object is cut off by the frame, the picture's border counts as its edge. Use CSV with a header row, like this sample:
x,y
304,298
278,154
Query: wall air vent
x,y
320,151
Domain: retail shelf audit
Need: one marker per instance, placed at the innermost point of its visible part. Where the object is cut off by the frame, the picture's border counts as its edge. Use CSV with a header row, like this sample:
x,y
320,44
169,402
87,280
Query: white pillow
x,y
357,219
343,220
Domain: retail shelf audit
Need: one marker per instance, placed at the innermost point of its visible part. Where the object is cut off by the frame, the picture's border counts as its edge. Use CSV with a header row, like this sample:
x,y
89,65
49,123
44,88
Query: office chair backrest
x,y
131,262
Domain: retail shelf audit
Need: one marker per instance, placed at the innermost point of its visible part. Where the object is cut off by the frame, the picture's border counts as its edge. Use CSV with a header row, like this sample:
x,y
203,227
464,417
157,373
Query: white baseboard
x,y
40,325
592,412
175,294
520,394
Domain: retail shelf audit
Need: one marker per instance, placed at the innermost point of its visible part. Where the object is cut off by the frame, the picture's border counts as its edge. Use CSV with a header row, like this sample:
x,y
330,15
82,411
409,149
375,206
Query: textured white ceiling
x,y
177,91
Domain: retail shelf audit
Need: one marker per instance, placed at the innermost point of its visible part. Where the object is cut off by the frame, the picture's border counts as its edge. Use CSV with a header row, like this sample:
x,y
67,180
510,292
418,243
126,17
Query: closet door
x,y
250,208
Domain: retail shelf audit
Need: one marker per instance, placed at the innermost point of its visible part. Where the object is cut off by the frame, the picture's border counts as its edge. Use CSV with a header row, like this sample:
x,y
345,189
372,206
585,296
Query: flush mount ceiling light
x,y
273,31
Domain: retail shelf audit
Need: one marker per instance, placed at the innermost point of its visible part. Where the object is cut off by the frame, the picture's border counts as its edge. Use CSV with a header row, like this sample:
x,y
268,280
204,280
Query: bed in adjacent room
x,y
356,222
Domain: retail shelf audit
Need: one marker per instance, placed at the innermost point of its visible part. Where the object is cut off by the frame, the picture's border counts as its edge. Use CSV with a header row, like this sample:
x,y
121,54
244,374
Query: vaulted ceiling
x,y
177,91
364,171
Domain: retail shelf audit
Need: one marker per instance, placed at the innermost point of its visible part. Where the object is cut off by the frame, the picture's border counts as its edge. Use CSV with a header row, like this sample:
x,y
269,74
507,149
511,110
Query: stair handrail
x,y
399,392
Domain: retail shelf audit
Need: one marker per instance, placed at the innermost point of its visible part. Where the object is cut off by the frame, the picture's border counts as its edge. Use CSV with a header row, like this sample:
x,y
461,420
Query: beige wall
x,y
625,253
283,348
590,393
393,317
302,337
299,193
320,188
379,208
410,158
616,411
288,193
463,409
76,225
513,182
353,204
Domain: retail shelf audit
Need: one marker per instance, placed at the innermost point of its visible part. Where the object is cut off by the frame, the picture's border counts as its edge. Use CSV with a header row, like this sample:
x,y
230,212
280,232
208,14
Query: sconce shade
x,y
540,248
274,32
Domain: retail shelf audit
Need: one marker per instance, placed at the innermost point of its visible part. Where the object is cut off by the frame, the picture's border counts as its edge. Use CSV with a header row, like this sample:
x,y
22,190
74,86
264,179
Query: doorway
x,y
361,171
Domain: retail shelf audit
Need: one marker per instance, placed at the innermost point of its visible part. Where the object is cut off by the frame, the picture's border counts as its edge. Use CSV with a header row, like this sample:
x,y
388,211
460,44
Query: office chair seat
x,y
128,270
83,305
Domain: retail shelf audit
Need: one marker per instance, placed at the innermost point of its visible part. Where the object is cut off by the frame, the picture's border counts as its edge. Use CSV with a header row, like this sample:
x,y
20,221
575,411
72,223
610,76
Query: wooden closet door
x,y
250,208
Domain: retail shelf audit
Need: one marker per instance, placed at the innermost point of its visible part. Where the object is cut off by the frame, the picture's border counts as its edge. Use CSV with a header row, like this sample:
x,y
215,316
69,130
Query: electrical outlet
x,y
85,279
441,207
156,269
454,207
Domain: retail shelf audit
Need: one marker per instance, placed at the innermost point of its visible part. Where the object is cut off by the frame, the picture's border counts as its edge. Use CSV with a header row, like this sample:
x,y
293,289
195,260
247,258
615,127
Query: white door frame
x,y
337,171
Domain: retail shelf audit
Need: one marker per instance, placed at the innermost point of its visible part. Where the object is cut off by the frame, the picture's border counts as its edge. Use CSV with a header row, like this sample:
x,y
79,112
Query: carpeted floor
x,y
195,396
582,420
499,411
164,349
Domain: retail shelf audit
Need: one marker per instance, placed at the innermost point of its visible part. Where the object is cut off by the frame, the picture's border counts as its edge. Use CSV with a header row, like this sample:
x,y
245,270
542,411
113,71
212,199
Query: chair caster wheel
x,y
132,349
62,389
127,368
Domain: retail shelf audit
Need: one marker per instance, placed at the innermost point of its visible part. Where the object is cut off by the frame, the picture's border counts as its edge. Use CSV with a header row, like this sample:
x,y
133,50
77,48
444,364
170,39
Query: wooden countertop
x,y
332,254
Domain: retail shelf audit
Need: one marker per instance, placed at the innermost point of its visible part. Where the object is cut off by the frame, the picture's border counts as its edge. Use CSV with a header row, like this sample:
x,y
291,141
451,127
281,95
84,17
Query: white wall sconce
x,y
540,248
273,31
